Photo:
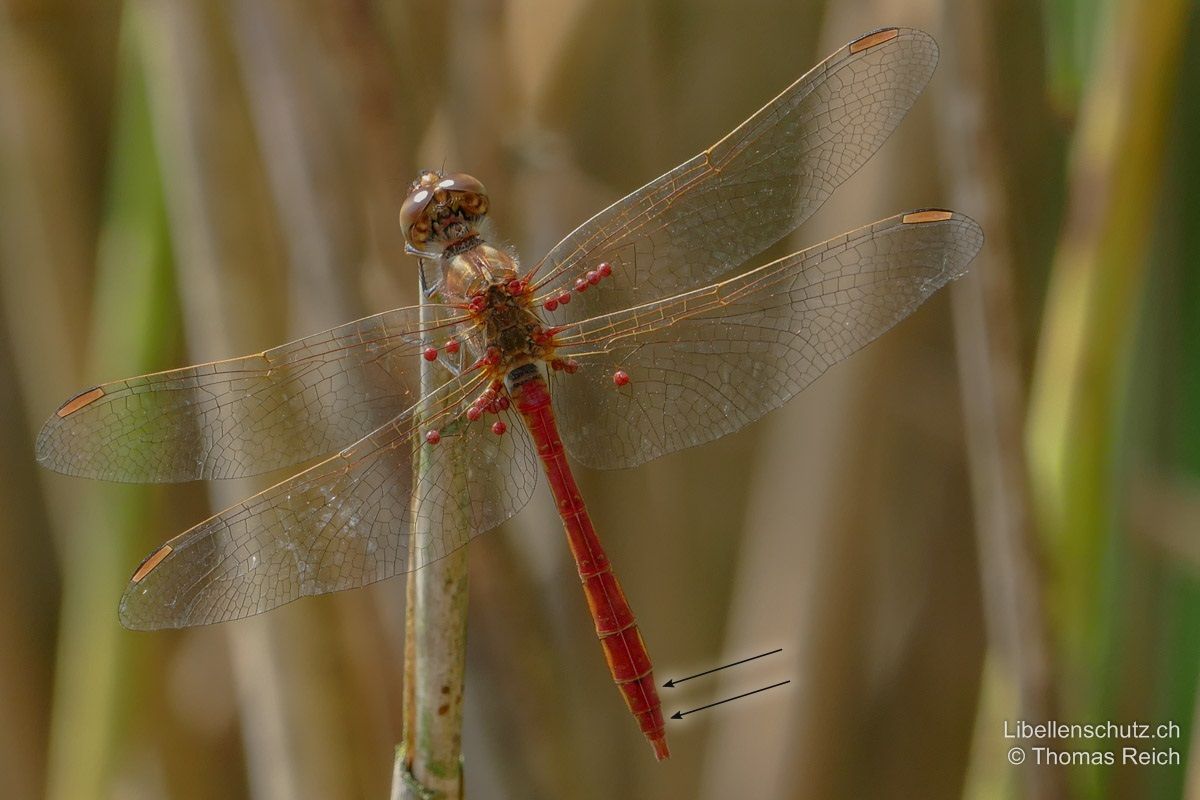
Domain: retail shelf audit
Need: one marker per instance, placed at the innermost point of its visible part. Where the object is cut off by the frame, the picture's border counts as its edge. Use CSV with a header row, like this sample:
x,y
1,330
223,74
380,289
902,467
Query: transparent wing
x,y
245,416
345,522
707,362
712,213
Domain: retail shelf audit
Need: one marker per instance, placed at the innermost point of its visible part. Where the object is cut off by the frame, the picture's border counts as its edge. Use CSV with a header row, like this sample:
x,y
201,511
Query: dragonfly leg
x,y
429,290
455,367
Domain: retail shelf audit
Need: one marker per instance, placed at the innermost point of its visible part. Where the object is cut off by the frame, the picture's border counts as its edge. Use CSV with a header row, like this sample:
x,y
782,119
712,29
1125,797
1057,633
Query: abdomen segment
x,y
616,626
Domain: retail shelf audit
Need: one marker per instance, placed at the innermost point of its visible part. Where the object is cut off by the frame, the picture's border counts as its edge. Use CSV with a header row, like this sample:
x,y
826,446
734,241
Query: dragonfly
x,y
643,332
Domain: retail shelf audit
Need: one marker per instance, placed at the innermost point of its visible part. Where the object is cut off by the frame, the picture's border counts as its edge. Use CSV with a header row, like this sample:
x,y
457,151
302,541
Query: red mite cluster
x,y
590,279
431,353
567,365
493,400
490,402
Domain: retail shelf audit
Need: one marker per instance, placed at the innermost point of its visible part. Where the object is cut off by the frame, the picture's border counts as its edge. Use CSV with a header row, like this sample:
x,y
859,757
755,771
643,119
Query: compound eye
x,y
461,182
413,210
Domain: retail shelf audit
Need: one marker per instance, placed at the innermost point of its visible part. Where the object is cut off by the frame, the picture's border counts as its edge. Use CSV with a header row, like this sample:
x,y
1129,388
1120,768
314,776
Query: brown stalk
x,y
225,248
428,763
993,391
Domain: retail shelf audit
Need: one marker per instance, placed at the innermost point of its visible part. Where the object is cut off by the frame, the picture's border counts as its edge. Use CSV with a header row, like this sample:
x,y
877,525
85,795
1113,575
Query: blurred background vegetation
x,y
991,514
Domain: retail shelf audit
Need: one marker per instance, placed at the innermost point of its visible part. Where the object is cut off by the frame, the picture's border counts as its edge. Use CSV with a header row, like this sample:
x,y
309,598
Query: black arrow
x,y
671,683
682,714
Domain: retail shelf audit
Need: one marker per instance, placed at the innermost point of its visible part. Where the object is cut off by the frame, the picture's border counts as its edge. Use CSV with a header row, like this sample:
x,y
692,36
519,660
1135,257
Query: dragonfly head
x,y
442,209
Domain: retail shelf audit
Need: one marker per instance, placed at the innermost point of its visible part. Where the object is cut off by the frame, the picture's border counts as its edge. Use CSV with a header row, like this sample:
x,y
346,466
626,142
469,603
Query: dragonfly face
x,y
443,211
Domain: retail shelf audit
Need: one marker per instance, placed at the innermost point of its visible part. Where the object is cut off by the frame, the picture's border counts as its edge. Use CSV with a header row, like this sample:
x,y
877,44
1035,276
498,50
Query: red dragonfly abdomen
x,y
628,659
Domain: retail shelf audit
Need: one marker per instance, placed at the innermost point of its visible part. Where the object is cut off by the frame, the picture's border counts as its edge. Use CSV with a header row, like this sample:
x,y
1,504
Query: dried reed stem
x,y
428,761
992,385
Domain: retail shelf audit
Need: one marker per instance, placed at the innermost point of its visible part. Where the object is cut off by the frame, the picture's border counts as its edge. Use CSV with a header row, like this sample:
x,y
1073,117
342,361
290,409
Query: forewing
x,y
346,522
712,213
707,362
245,416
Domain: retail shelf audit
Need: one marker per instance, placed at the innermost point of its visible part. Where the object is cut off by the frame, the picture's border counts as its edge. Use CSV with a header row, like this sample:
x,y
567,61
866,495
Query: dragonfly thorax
x,y
513,333
473,271
486,280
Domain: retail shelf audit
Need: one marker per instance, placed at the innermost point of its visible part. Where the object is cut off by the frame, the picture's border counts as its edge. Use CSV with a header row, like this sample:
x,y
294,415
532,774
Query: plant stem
x,y
429,759
992,384
1091,312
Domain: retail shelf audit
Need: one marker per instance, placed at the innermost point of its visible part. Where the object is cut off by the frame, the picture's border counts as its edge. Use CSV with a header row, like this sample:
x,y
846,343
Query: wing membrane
x,y
244,416
707,362
343,523
712,213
